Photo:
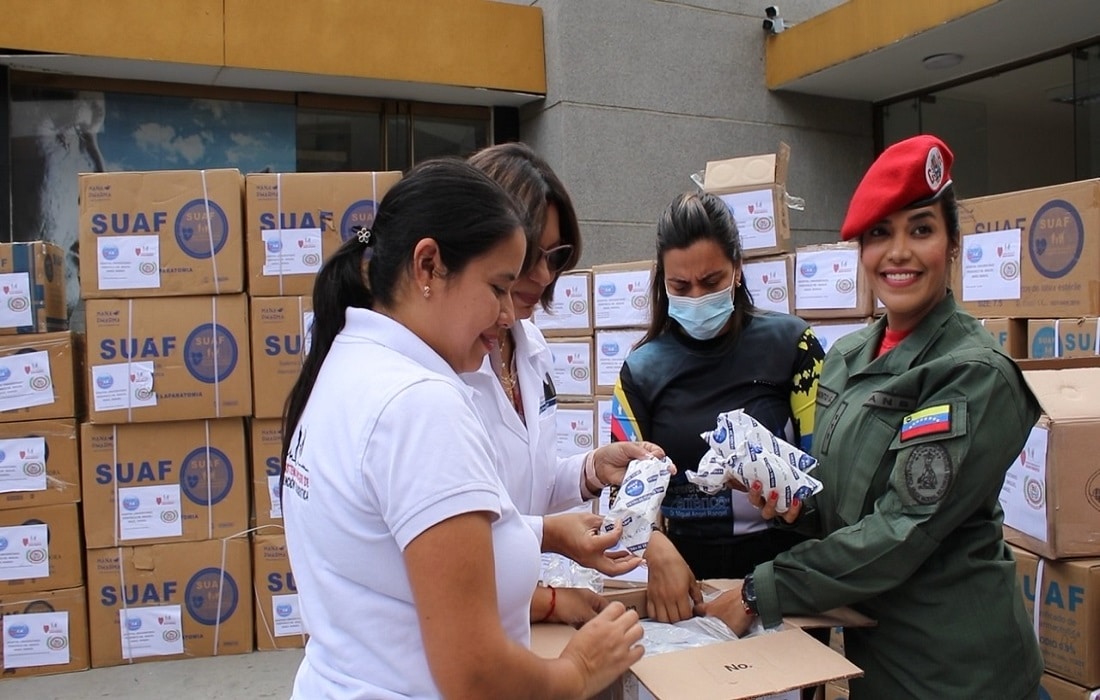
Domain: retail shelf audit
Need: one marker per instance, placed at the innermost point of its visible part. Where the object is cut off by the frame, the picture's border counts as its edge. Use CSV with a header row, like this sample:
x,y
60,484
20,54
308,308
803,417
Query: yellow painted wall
x,y
470,43
853,29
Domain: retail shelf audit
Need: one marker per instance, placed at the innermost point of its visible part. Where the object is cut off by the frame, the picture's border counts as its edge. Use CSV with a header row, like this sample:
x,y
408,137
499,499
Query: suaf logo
x,y
277,582
211,596
808,269
360,213
19,631
634,487
210,353
606,289
1044,343
125,222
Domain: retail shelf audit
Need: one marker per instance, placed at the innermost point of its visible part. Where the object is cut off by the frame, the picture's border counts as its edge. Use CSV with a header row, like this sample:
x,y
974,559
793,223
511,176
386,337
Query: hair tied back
x,y
364,234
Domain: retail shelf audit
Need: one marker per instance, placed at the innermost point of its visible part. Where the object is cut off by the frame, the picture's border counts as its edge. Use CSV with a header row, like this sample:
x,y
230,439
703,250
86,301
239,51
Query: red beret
x,y
916,170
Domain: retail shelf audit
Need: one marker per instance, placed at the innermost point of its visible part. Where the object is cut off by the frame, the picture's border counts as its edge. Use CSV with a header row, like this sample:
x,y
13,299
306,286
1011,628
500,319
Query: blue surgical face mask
x,y
702,317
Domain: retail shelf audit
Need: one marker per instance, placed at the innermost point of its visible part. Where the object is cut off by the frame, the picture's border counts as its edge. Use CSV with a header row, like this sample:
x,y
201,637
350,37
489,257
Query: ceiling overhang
x,y
874,50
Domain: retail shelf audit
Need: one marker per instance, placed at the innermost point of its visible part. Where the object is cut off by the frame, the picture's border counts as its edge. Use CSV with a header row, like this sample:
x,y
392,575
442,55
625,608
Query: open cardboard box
x,y
782,660
754,188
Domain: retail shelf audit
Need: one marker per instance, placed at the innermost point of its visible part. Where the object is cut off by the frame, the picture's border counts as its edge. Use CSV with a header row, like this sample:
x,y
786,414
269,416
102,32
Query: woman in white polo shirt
x,y
414,569
516,395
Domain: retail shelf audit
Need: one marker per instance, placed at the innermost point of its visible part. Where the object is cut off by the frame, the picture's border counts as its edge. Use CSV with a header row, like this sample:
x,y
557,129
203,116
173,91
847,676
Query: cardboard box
x,y
278,617
1031,254
178,601
1011,333
1069,613
603,420
42,551
754,189
51,633
172,482
1051,493
829,282
576,428
39,463
163,233
39,377
265,449
280,343
296,221
1054,688
621,298
745,668
570,313
1063,337
828,332
573,373
770,281
179,358
32,288
611,349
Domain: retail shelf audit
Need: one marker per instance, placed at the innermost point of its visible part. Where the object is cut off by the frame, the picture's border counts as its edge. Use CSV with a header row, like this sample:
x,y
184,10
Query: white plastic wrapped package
x,y
639,502
744,451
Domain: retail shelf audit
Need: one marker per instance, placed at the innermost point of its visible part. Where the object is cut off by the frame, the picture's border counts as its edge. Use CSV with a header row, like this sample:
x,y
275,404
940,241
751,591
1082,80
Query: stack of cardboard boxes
x,y
43,603
293,223
1030,269
163,459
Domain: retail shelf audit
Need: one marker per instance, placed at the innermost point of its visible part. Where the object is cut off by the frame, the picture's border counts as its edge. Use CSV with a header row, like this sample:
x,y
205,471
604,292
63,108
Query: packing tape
x,y
209,489
114,480
127,648
1039,570
210,234
1096,336
129,360
214,350
279,223
221,584
1057,338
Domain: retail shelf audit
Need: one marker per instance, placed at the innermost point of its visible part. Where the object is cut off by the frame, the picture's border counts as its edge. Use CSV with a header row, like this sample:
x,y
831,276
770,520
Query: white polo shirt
x,y
388,446
538,481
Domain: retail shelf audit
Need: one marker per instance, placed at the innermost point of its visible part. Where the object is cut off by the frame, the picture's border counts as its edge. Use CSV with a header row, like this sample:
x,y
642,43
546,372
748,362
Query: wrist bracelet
x,y
553,603
591,480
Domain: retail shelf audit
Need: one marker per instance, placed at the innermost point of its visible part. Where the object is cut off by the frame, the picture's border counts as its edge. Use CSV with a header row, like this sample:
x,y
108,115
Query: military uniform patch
x,y
928,473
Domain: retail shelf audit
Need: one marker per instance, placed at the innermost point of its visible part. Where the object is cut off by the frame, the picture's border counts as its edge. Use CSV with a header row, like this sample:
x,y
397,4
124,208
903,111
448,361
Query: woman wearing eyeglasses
x,y
515,394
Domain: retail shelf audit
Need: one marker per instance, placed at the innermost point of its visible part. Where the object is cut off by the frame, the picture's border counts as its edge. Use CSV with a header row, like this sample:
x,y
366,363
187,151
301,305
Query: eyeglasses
x,y
556,258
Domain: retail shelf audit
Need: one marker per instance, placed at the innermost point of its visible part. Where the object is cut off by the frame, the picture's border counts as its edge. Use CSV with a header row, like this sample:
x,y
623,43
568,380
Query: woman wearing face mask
x,y
709,350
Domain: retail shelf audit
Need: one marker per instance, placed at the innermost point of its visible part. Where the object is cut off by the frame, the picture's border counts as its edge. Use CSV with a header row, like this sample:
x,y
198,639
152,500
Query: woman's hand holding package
x,y
768,504
672,589
578,536
605,648
611,461
729,609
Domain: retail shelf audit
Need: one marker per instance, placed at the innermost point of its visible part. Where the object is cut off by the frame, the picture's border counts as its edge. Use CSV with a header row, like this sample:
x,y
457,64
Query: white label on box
x,y
23,464
292,251
991,266
24,552
829,333
1024,492
754,213
128,262
570,308
622,298
575,430
603,424
149,511
767,282
307,332
15,300
123,386
826,279
36,639
612,347
25,381
572,371
286,615
153,631
275,495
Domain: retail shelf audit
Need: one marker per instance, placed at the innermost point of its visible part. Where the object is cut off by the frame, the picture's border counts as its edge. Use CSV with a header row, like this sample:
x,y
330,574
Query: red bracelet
x,y
553,602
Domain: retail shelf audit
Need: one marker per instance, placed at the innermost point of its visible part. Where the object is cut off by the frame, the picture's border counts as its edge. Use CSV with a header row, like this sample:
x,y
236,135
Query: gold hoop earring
x,y
427,291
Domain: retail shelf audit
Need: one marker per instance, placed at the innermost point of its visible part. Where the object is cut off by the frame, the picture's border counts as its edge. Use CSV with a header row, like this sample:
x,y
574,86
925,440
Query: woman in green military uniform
x,y
918,419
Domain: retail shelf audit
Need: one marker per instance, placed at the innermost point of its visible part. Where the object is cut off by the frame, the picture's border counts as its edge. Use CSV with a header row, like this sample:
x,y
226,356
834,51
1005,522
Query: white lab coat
x,y
538,481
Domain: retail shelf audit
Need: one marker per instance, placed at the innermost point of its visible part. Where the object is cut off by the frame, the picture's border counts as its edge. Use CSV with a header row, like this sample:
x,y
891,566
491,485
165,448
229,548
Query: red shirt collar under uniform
x,y
890,340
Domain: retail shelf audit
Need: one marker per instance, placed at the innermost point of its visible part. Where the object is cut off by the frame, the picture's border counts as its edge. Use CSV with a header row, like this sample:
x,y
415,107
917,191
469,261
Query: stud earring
x,y
427,291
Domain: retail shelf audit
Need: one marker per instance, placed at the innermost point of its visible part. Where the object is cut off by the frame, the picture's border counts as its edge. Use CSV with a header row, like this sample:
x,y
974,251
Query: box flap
x,y
746,668
1066,394
747,171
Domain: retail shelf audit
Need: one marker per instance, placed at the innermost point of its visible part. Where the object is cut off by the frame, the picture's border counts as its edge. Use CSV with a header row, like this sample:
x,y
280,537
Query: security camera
x,y
774,26
771,11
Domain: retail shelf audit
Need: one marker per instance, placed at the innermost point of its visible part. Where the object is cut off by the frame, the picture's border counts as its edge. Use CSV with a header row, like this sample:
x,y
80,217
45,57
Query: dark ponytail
x,y
447,200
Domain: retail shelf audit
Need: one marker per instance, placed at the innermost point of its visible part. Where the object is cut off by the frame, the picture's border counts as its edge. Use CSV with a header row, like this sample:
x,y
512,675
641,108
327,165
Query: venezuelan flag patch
x,y
927,421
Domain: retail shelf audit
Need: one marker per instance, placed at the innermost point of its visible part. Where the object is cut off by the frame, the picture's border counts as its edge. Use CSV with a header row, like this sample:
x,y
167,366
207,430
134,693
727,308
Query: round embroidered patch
x,y
933,169
928,473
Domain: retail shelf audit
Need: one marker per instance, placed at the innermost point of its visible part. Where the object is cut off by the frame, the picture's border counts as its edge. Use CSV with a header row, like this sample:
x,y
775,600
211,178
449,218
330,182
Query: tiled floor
x,y
266,674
